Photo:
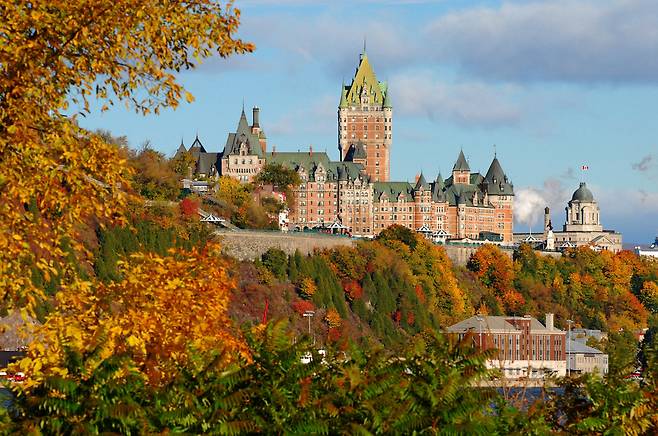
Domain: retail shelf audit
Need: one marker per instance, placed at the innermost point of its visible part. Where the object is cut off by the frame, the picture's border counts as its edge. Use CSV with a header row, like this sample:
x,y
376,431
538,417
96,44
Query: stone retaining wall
x,y
249,245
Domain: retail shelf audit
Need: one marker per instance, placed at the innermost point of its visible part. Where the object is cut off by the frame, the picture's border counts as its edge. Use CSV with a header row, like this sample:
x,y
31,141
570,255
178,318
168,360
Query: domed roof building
x,y
582,212
581,228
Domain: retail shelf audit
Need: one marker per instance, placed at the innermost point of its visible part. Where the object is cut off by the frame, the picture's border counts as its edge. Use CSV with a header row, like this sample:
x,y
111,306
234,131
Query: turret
x,y
461,172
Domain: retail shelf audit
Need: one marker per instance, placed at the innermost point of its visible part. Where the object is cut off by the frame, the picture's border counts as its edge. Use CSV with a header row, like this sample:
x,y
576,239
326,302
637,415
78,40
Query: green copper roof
x,y
365,81
393,190
343,97
335,171
387,99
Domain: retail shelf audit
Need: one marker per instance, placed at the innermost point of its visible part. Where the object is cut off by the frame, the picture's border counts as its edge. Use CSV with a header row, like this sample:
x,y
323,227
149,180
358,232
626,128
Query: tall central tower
x,y
365,122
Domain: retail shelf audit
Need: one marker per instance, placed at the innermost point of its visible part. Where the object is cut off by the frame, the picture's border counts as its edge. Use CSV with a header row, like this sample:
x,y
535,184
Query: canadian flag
x,y
584,167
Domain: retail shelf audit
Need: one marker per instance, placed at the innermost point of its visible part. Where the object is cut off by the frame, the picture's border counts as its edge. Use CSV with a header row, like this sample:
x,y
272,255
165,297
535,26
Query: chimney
x,y
256,116
273,150
310,150
547,219
549,321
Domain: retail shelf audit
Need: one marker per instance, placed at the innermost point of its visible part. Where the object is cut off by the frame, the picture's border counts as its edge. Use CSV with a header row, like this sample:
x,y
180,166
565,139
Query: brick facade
x,y
365,122
356,192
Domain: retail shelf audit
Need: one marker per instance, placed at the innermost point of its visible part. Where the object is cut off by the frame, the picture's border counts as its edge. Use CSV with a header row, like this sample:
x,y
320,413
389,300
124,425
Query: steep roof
x,y
343,96
180,150
310,162
206,161
422,183
197,147
393,190
461,164
365,81
242,134
496,181
437,189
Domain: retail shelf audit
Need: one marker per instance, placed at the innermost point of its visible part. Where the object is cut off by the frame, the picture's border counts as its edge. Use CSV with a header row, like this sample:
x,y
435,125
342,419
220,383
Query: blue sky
x,y
554,84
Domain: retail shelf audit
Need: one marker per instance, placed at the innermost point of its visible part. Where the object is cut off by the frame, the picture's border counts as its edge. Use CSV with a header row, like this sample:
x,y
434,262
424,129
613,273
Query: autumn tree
x,y
307,287
278,175
495,270
55,57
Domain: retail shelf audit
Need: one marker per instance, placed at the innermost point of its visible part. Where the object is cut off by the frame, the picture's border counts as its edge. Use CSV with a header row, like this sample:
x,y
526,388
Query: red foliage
x,y
334,334
411,318
301,306
189,207
353,289
420,294
397,316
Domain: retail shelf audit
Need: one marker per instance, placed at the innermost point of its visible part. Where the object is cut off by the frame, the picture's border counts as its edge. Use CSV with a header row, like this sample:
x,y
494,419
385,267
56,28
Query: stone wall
x,y
249,245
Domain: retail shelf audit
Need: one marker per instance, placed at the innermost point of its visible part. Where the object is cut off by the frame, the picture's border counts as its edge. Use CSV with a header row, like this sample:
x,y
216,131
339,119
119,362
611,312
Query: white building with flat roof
x,y
582,358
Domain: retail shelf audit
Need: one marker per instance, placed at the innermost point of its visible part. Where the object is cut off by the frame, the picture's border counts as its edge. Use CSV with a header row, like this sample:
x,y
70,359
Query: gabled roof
x,y
461,164
242,134
197,147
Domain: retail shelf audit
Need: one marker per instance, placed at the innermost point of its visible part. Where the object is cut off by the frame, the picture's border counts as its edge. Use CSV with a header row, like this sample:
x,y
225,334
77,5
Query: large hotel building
x,y
355,192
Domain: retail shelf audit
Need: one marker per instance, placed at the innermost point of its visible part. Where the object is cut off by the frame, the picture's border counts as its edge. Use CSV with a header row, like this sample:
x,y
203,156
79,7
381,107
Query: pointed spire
x,y
439,179
243,124
421,183
343,96
461,164
387,98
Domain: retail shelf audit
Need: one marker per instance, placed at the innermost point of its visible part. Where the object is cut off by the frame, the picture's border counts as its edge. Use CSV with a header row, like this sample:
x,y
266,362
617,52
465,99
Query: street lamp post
x,y
480,319
308,314
569,322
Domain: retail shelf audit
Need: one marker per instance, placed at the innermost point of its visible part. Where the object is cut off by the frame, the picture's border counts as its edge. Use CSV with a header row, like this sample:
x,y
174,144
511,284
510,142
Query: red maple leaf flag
x,y
584,167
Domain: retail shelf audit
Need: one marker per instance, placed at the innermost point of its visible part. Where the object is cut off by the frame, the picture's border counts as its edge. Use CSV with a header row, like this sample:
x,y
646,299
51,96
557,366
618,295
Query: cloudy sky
x,y
553,84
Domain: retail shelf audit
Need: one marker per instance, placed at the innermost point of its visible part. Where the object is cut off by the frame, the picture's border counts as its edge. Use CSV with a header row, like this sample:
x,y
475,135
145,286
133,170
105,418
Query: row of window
x,y
365,119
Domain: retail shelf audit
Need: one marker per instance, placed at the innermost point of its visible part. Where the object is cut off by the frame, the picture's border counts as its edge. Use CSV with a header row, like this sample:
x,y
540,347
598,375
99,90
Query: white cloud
x,y
564,40
465,103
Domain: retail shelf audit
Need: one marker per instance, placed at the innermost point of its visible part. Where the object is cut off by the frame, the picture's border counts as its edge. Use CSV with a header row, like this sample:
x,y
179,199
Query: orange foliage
x,y
333,318
353,289
54,175
307,287
163,308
